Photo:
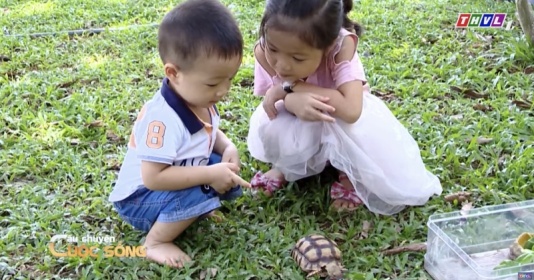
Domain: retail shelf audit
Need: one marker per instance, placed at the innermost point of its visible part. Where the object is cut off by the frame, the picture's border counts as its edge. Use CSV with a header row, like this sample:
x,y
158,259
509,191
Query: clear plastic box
x,y
470,245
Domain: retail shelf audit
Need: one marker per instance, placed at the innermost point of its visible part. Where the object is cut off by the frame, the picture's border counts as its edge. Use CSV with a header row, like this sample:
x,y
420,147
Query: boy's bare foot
x,y
166,254
216,216
275,177
159,243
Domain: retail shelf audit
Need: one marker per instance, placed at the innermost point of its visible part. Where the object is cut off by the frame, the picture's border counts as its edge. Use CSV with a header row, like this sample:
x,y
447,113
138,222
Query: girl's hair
x,y
316,22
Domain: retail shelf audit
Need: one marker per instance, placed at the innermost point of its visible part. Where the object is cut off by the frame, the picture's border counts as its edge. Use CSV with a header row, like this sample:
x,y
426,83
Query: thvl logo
x,y
482,20
525,275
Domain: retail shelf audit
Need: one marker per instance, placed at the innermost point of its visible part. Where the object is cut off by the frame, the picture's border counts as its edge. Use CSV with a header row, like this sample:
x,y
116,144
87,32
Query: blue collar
x,y
190,120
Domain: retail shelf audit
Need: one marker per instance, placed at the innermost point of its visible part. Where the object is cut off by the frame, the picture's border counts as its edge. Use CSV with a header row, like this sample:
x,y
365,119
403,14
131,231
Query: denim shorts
x,y
144,207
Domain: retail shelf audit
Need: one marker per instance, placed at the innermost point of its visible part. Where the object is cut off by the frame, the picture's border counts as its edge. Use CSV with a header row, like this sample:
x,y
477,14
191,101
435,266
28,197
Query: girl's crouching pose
x,y
318,109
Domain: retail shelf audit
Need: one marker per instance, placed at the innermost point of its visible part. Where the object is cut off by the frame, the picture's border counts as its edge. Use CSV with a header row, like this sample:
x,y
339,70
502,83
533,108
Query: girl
x,y
318,110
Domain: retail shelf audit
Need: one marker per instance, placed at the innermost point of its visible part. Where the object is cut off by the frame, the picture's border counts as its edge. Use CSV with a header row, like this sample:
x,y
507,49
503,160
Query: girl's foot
x,y
268,182
344,195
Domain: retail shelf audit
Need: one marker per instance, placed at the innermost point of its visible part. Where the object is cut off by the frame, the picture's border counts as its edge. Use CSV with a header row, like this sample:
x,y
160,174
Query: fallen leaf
x,y
68,84
469,93
522,104
460,196
482,107
204,273
386,96
457,117
365,229
74,142
246,83
480,140
114,165
529,70
466,207
484,140
398,229
416,247
97,123
110,135
501,160
4,58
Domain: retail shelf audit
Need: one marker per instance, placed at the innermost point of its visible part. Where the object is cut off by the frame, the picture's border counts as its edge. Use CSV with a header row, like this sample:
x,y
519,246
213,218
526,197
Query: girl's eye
x,y
297,59
272,50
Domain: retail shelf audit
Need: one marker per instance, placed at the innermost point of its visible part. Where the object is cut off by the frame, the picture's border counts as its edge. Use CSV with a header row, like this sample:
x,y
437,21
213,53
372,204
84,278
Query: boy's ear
x,y
171,71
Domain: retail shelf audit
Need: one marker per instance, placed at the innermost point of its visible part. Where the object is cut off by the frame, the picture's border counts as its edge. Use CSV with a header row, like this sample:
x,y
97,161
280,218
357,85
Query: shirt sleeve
x,y
262,80
347,71
158,136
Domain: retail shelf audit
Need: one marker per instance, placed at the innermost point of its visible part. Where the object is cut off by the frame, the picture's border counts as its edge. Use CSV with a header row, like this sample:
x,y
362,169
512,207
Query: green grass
x,y
68,105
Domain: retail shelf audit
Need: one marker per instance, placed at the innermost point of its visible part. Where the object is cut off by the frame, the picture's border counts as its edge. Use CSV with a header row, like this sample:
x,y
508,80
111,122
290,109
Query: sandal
x,y
338,191
259,181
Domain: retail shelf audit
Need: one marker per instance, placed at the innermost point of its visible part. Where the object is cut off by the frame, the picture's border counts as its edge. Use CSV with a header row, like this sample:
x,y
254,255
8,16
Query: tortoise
x,y
318,255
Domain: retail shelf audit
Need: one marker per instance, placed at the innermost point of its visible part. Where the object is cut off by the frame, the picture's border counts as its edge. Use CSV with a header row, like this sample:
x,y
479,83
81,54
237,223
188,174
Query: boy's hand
x,y
225,177
231,155
309,106
274,94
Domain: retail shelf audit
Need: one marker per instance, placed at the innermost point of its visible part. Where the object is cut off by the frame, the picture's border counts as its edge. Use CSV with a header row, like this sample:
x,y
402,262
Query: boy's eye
x,y
210,85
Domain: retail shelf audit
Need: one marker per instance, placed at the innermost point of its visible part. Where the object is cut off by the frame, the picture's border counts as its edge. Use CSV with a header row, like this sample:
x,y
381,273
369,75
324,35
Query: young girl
x,y
318,110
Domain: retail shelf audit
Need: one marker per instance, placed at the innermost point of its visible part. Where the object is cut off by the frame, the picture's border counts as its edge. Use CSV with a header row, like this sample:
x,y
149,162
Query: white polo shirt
x,y
165,131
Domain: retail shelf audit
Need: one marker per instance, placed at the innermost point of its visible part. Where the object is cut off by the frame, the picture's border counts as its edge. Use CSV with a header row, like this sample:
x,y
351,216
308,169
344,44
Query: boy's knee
x,y
232,194
214,158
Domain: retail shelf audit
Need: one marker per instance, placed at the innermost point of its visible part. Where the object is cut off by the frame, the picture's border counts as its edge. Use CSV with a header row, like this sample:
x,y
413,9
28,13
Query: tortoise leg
x,y
312,273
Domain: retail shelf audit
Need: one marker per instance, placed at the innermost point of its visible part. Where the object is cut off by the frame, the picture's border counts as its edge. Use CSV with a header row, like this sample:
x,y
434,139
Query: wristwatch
x,y
288,86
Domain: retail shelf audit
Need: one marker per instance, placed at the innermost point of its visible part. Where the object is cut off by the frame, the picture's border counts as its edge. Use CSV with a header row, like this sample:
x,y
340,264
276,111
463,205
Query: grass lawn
x,y
68,105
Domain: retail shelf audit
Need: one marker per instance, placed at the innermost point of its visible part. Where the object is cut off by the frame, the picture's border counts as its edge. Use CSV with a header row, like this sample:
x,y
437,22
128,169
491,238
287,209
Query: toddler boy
x,y
179,165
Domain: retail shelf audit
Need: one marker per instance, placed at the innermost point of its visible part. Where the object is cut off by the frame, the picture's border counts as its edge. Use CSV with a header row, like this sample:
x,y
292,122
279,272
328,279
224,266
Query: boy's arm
x,y
164,177
221,143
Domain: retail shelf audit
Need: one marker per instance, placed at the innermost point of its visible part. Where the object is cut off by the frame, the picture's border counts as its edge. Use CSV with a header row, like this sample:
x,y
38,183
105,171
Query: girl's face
x,y
290,57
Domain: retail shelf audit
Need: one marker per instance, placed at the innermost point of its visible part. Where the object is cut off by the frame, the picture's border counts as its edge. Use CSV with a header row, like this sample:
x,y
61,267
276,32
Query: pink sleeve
x,y
347,71
262,80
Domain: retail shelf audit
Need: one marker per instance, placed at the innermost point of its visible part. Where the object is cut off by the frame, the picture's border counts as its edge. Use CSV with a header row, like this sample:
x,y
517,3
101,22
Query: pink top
x,y
328,75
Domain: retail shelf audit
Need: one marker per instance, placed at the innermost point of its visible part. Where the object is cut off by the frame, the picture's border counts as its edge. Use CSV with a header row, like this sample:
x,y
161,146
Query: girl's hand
x,y
274,94
309,106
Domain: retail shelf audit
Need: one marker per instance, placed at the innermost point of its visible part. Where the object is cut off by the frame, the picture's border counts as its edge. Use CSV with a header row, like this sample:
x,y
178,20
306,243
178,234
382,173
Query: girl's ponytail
x,y
347,23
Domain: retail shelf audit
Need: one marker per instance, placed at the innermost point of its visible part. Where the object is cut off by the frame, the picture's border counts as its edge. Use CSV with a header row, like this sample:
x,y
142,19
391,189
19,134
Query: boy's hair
x,y
198,27
316,22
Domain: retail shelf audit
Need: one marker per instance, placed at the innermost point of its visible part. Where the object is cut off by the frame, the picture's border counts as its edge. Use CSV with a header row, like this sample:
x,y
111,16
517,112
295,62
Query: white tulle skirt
x,y
378,154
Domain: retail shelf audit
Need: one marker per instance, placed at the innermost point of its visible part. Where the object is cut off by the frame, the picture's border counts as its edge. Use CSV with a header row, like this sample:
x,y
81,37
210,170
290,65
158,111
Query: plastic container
x,y
470,245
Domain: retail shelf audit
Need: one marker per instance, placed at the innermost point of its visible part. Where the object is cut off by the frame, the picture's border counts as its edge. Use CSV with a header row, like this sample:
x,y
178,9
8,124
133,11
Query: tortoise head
x,y
335,271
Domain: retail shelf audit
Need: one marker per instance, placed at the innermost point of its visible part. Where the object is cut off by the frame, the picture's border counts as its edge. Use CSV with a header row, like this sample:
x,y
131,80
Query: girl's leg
x,y
344,195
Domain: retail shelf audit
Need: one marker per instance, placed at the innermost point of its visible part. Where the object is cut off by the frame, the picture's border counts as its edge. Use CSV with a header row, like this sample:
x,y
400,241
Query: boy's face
x,y
206,82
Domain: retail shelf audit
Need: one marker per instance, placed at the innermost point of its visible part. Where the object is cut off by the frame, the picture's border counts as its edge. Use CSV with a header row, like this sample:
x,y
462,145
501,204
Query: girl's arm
x,y
348,98
263,73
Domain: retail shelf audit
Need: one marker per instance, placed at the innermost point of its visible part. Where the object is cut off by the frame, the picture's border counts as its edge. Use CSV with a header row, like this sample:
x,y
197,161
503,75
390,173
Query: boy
x,y
172,173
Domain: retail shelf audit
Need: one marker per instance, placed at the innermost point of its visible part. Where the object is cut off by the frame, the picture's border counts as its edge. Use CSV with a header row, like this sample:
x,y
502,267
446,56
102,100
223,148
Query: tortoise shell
x,y
316,254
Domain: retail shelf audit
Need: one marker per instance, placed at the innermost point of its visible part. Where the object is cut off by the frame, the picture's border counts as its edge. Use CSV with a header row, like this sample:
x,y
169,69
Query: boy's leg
x,y
165,215
160,245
